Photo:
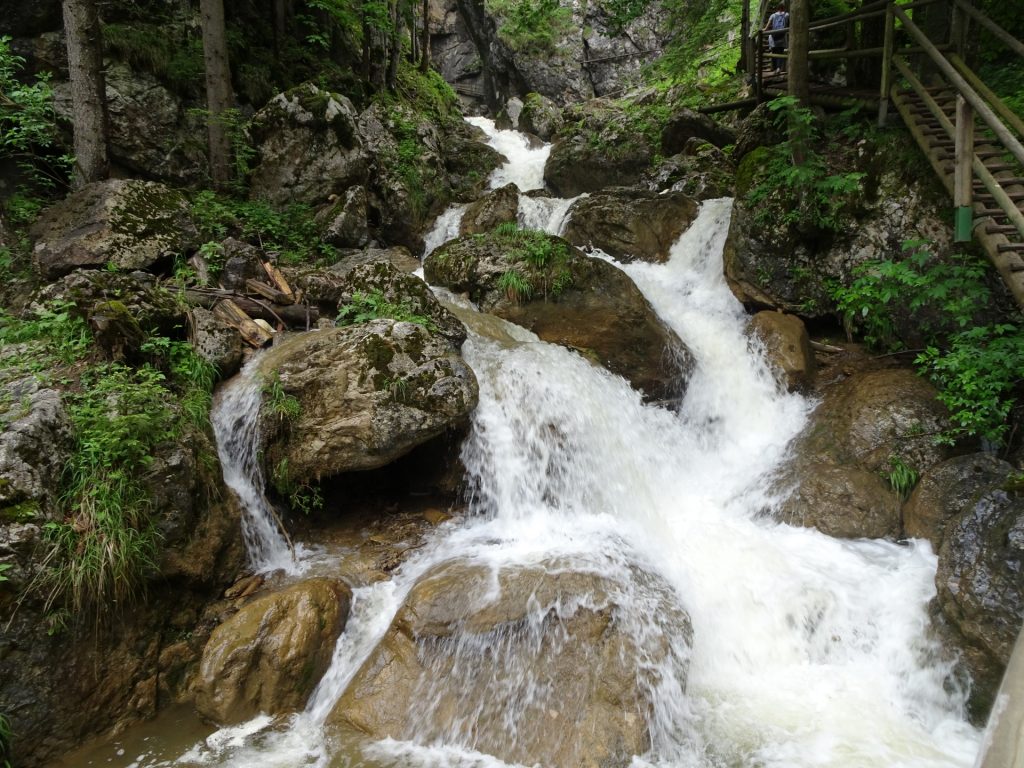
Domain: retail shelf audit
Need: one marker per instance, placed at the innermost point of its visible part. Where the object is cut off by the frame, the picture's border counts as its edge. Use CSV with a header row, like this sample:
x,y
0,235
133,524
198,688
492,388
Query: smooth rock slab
x,y
270,655
787,346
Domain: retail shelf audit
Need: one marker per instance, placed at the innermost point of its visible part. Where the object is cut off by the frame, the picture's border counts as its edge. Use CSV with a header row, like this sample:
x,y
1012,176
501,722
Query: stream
x,y
805,651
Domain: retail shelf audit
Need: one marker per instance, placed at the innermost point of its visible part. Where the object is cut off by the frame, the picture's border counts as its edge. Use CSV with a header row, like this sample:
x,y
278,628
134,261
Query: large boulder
x,y
398,256
546,643
270,655
599,147
787,347
541,117
866,427
128,224
685,124
948,490
215,341
542,283
152,133
630,224
496,207
308,146
980,583
344,224
368,394
701,170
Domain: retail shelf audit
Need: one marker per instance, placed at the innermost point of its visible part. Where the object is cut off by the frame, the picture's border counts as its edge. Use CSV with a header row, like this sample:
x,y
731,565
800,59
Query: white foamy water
x,y
234,417
525,165
806,651
446,227
548,214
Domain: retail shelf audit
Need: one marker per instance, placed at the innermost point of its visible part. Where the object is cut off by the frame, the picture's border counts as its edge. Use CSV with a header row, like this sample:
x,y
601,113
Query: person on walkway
x,y
777,27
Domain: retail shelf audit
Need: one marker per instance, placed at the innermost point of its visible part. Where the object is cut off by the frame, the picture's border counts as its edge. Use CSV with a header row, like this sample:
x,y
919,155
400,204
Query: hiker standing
x,y
777,26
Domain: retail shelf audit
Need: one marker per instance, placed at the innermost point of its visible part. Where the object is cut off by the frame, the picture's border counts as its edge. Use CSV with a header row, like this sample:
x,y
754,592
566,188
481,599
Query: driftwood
x,y
278,281
268,292
291,315
252,332
818,346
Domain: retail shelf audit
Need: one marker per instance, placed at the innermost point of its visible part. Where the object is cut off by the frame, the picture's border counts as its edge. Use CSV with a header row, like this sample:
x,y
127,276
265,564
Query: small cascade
x,y
235,417
446,227
525,162
548,214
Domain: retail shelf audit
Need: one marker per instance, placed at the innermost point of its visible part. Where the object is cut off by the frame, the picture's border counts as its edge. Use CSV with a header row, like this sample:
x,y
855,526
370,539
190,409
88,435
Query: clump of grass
x,y
901,477
364,307
515,287
277,402
544,261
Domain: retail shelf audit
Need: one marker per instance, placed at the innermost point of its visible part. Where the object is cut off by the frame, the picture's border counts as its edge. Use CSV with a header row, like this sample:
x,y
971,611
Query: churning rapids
x,y
805,650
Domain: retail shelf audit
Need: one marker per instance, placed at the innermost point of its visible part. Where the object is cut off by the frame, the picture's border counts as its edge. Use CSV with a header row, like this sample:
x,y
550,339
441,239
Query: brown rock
x,y
270,655
843,501
494,208
787,346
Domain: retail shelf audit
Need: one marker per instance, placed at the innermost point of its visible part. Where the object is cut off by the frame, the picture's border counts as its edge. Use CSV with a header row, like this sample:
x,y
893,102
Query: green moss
x,y
173,53
749,168
378,351
21,512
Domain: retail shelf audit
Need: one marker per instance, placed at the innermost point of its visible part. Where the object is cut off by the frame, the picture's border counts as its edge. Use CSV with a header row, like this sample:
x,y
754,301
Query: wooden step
x,y
1008,247
1000,229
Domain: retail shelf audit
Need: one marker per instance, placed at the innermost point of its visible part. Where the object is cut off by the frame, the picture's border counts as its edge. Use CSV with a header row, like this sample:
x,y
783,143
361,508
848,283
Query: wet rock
x,y
980,583
270,655
508,116
215,341
758,129
369,393
864,424
241,262
598,148
344,223
686,124
309,147
541,117
398,256
787,346
547,643
129,224
582,303
948,490
494,208
630,224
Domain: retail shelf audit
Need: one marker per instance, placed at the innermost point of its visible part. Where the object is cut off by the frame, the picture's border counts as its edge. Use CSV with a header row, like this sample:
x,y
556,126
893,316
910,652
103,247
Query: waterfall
x,y
806,651
525,162
235,417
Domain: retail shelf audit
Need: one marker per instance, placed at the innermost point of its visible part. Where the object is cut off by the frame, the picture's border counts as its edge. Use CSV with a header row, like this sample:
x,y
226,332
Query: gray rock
x,y
494,208
686,124
630,225
369,393
398,256
270,655
701,171
241,262
559,655
129,224
309,147
216,342
541,117
344,223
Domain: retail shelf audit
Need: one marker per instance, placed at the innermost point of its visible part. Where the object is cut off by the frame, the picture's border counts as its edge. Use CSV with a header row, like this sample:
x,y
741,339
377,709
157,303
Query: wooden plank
x,y
232,314
962,189
278,281
268,292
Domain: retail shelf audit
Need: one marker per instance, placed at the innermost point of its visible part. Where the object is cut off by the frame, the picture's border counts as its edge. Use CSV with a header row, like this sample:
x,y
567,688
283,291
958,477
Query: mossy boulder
x,y
368,394
540,116
558,653
270,655
494,208
551,288
701,170
123,223
308,146
630,224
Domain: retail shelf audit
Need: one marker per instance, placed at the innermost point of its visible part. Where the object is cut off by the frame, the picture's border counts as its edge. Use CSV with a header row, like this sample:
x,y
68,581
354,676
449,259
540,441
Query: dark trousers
x,y
778,64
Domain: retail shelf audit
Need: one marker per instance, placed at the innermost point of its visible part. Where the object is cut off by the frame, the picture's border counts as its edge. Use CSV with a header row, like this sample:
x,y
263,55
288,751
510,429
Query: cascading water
x,y
234,417
805,650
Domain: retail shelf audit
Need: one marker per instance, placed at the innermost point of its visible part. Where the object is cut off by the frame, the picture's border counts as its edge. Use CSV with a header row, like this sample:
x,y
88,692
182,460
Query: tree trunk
x,y
425,43
395,47
280,24
218,89
88,90
799,18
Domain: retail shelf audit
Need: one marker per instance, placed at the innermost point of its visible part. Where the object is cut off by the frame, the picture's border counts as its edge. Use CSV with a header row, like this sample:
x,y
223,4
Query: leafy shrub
x,y
901,476
530,26
277,402
803,194
364,307
57,333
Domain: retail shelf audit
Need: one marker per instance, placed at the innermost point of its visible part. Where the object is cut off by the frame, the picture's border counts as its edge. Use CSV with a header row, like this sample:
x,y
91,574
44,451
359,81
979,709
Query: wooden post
x,y
744,64
964,147
759,56
887,45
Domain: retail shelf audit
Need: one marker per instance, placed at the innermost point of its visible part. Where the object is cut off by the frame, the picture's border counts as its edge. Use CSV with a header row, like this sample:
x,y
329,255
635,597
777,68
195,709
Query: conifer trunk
x,y
88,90
218,89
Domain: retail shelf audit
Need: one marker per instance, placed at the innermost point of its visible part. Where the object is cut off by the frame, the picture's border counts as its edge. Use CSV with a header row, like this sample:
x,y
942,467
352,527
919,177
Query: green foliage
x,y
515,287
4,567
977,367
801,194
530,26
192,375
302,497
364,307
107,544
701,52
171,53
291,232
55,333
622,12
6,735
28,124
277,402
901,476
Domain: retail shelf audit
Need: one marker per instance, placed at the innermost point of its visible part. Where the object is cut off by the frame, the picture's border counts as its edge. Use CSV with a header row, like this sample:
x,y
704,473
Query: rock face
x,y
579,302
787,346
369,393
981,588
152,133
541,117
130,224
344,224
630,224
561,631
309,147
215,341
494,208
270,655
686,124
863,424
701,170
